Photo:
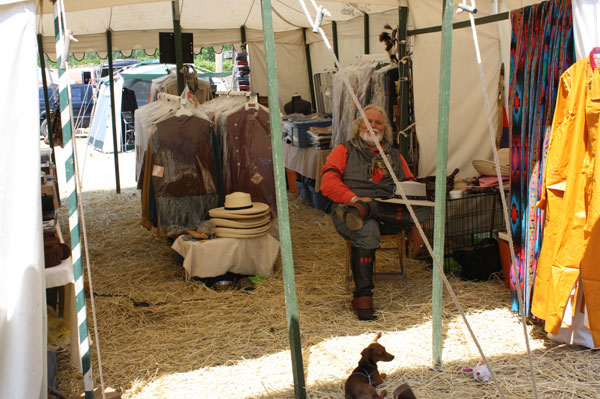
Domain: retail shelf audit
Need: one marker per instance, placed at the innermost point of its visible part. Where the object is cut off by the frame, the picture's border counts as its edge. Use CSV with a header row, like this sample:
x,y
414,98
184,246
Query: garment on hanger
x,y
183,172
250,162
541,50
571,199
145,119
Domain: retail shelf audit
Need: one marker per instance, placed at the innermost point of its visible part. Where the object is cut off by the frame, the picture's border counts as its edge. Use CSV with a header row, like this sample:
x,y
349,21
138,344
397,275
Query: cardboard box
x,y
49,188
505,260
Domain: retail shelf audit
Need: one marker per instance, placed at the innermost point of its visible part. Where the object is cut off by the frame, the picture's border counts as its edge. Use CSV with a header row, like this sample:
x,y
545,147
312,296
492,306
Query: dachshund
x,y
363,380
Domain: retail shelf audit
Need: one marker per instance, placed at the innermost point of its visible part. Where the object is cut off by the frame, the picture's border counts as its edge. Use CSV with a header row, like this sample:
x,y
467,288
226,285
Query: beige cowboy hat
x,y
488,168
242,223
239,205
227,232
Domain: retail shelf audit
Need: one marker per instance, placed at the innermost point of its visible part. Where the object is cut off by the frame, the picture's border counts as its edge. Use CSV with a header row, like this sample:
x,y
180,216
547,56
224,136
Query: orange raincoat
x,y
571,198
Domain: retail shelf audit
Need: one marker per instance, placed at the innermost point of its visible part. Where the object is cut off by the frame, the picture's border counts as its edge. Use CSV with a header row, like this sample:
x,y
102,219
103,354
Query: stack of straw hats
x,y
240,217
488,167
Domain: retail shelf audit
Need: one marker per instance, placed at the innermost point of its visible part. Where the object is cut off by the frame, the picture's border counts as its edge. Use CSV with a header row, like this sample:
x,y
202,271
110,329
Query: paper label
x,y
158,170
257,178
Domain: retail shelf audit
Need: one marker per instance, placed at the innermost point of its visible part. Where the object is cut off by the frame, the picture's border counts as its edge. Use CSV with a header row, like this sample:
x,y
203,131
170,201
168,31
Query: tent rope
x,y
317,28
79,185
249,12
62,36
470,10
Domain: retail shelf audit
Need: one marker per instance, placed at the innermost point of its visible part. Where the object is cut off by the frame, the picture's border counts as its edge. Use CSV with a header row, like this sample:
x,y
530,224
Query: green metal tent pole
x,y
243,34
49,123
335,39
112,108
366,32
287,260
177,42
65,115
440,178
310,72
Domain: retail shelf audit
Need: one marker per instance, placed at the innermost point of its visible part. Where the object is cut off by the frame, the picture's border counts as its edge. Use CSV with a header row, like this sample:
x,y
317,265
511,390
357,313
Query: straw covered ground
x,y
164,337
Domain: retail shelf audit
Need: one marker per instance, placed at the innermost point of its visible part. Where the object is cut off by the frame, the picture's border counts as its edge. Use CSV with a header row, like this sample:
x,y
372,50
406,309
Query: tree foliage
x,y
205,59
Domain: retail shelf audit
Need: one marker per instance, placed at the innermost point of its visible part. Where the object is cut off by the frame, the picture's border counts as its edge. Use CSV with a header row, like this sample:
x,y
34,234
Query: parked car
x,y
102,70
82,102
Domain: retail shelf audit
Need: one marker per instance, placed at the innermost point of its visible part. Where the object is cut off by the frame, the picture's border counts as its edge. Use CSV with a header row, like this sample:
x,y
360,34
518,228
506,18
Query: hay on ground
x,y
164,337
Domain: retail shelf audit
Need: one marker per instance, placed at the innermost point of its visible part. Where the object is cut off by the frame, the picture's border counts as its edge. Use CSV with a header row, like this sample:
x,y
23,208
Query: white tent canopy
x,y
135,25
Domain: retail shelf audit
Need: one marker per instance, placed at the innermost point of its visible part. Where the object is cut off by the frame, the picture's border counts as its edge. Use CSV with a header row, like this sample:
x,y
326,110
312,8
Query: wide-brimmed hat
x,y
242,223
239,205
227,232
488,168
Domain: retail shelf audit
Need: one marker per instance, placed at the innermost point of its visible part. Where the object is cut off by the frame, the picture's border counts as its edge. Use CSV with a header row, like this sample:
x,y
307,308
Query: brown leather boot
x,y
364,308
353,214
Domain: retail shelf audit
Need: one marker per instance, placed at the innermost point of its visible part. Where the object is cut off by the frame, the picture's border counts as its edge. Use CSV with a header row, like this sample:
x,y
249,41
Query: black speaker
x,y
86,76
166,43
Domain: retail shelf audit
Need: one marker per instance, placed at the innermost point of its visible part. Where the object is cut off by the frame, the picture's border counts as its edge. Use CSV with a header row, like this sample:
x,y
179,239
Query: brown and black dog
x,y
363,380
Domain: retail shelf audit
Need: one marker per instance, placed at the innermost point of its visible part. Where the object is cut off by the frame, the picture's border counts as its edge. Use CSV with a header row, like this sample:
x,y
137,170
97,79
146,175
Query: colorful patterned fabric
x,y
541,50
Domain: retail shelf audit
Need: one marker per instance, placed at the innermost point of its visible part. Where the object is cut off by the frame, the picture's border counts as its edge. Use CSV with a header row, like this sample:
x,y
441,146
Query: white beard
x,y
368,138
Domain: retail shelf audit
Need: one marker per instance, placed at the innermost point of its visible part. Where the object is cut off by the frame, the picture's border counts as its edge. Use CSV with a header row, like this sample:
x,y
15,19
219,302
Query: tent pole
x,y
49,123
112,108
335,39
440,178
287,260
310,73
463,24
65,115
178,46
366,32
402,114
243,34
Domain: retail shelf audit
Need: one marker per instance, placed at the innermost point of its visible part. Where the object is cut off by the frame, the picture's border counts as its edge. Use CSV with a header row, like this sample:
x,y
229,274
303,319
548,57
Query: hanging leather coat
x,y
571,199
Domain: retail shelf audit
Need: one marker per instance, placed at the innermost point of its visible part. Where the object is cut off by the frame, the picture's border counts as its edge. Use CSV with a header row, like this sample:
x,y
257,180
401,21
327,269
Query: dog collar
x,y
365,374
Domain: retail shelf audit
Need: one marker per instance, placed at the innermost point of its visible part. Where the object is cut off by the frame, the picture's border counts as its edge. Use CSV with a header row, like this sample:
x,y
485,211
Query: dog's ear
x,y
367,353
377,337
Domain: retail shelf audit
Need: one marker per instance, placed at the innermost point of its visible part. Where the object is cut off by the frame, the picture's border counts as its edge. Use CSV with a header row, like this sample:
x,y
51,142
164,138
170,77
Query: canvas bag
x,y
481,262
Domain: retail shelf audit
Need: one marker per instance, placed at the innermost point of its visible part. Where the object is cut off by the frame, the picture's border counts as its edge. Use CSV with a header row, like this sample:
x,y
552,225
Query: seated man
x,y
354,174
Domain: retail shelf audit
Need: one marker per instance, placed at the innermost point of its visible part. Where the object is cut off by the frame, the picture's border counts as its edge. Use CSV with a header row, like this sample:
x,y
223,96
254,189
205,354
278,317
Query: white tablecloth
x,y
210,258
306,161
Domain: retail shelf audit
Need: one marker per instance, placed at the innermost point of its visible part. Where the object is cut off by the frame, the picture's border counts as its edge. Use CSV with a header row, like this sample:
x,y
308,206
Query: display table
x,y
306,161
62,276
210,258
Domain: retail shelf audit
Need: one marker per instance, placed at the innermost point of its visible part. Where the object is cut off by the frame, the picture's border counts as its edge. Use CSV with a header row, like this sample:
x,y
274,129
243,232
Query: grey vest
x,y
359,174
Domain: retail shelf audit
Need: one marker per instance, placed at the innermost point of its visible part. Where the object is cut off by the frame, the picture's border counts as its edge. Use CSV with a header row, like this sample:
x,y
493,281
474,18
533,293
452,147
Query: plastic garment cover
x,y
145,121
183,171
383,90
344,109
247,157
